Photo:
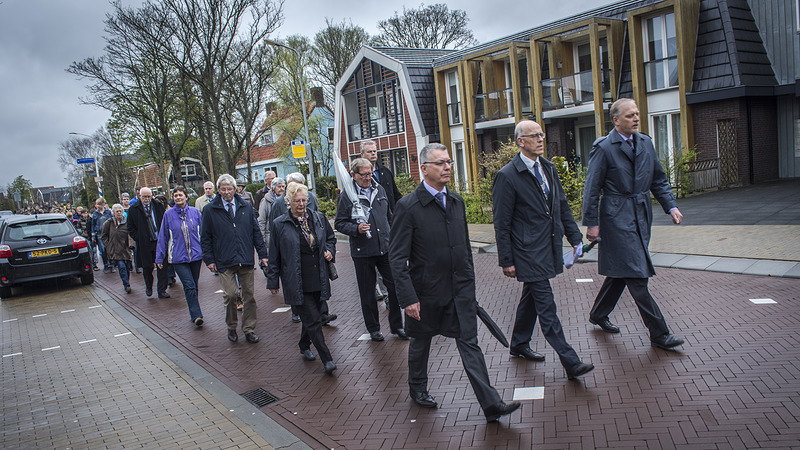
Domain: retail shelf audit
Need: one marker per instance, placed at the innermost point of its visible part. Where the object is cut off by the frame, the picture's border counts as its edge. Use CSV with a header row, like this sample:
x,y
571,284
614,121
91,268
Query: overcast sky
x,y
39,100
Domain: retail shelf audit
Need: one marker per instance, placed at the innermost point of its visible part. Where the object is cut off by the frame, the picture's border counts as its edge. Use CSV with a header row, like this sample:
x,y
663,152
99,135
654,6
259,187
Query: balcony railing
x,y
454,113
661,73
573,89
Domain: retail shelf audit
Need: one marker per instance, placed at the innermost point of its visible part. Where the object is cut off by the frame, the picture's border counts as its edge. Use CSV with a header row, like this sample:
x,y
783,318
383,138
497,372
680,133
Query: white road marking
x,y
282,310
86,342
219,292
9,320
98,306
123,334
51,348
364,337
529,393
39,315
69,310
584,280
762,301
12,354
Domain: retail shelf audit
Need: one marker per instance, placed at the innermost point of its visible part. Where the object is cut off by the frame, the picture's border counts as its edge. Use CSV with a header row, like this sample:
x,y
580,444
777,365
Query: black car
x,y
42,246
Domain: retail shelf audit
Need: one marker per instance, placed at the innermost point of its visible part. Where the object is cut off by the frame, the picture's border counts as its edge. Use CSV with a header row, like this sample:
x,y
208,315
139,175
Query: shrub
x,y
479,202
678,171
405,184
572,180
253,188
326,187
327,207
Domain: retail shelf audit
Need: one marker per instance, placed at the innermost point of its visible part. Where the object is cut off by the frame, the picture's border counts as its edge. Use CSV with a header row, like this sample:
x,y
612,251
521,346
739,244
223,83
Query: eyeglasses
x,y
364,175
442,162
300,200
534,135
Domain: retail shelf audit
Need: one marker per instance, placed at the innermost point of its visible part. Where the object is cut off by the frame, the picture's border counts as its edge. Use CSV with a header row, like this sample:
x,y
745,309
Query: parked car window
x,y
29,230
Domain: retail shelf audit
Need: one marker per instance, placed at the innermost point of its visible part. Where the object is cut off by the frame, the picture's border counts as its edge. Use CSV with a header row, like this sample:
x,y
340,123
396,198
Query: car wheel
x,y
5,292
87,279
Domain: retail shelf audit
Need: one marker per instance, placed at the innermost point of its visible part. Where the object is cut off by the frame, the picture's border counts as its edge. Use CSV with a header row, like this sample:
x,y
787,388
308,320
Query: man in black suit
x,y
531,214
625,168
431,260
144,221
381,174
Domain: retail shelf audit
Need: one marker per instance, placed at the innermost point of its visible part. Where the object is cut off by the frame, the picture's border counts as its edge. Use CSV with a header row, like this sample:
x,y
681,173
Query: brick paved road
x,y
75,376
734,385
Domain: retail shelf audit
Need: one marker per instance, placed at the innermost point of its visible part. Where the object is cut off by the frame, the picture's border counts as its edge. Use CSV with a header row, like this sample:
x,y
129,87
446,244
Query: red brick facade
x,y
763,118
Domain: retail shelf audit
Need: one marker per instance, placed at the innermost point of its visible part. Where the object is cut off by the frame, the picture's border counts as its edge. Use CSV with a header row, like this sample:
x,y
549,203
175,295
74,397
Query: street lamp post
x,y
96,167
311,182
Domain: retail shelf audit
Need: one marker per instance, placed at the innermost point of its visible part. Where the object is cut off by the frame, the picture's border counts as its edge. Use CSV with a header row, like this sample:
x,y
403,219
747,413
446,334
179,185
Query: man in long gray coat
x,y
625,168
431,260
531,215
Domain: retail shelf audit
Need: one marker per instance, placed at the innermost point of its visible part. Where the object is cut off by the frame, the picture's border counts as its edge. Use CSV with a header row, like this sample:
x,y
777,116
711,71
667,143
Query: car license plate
x,y
40,253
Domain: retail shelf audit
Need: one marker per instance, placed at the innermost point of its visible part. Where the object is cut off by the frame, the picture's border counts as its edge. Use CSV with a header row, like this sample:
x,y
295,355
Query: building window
x,y
266,138
660,52
188,170
453,99
667,139
330,135
396,160
374,108
460,166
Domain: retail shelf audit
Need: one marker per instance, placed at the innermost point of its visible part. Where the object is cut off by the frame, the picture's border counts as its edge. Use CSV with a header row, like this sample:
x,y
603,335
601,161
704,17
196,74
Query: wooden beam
x,y
615,36
597,78
470,69
572,26
686,18
516,85
440,87
535,77
637,68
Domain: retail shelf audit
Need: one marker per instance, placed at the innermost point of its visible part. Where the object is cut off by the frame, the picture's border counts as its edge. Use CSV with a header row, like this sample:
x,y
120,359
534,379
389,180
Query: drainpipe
x,y
750,141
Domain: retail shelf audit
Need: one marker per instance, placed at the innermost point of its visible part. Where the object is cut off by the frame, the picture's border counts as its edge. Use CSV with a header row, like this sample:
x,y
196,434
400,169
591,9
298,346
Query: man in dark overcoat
x,y
624,167
431,260
144,221
531,215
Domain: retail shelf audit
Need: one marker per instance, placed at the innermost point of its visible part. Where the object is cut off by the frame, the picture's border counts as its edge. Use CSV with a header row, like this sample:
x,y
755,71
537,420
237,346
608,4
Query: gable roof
x,y
729,51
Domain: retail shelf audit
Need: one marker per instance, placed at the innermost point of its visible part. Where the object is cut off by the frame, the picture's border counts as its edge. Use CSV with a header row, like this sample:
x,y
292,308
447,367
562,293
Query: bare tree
x,y
335,46
432,26
217,37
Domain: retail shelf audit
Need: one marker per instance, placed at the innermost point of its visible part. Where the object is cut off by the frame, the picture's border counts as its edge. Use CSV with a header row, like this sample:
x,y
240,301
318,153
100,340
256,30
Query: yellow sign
x,y
299,149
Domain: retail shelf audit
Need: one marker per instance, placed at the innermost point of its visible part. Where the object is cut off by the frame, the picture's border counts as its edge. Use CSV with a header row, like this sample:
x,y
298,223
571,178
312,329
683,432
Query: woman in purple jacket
x,y
179,245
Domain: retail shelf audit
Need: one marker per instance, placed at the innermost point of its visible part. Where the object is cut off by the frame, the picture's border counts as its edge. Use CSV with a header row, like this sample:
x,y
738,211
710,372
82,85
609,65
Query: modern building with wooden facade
x,y
720,77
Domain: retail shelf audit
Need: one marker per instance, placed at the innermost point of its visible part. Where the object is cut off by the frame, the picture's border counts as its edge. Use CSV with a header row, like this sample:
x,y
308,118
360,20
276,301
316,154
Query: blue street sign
x,y
85,160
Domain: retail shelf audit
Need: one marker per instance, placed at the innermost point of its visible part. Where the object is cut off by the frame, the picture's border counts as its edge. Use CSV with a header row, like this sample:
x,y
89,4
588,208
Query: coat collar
x,y
617,139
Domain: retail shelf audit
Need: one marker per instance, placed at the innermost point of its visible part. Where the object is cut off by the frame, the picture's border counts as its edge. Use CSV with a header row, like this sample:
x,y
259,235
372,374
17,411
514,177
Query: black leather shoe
x,y
423,399
164,295
666,342
148,292
308,355
579,369
328,318
376,336
199,322
295,318
329,367
233,336
499,410
401,334
251,337
605,324
127,289
527,353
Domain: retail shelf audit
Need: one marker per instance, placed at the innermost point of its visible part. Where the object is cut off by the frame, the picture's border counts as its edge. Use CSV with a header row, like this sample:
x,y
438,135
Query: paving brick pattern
x,y
734,384
85,380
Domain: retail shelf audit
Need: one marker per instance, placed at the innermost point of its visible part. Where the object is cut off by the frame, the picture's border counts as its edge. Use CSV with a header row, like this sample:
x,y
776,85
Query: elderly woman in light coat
x,y
276,189
300,246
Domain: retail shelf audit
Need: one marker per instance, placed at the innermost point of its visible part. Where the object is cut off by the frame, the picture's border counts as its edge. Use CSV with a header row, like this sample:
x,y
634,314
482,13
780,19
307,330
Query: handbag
x,y
332,274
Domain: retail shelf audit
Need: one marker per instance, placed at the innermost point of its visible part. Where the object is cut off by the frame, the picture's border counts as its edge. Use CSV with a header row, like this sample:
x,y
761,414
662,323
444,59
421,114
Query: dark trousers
x,y
310,313
189,273
148,264
123,269
608,297
537,301
365,276
419,350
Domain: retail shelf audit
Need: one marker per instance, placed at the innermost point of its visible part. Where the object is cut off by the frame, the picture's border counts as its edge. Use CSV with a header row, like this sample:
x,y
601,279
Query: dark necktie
x,y
633,147
440,198
545,188
230,210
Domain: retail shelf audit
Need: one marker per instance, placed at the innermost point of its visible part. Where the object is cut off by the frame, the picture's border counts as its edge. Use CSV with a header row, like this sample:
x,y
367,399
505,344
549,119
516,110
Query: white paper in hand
x,y
571,257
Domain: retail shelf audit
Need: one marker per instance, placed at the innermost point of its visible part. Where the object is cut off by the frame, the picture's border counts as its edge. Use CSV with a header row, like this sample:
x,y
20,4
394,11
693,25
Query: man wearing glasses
x,y
370,252
531,216
431,260
228,234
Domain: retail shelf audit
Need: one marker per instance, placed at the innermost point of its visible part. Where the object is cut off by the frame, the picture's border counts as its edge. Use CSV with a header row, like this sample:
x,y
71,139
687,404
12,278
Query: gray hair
x,y
291,192
617,106
359,163
208,182
117,206
226,179
424,154
295,177
269,172
276,181
367,143
125,195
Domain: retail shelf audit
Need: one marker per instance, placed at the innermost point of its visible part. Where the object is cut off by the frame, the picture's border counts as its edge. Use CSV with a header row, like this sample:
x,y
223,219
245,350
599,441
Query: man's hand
x,y
510,271
677,217
263,261
212,267
327,255
160,266
273,291
412,311
363,227
592,233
